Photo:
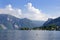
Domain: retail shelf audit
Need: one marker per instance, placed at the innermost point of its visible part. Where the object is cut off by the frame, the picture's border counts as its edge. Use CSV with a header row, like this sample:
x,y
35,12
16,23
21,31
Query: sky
x,y
31,9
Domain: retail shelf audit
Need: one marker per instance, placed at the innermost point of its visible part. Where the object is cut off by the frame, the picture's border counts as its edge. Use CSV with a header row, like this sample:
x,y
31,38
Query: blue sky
x,y
49,7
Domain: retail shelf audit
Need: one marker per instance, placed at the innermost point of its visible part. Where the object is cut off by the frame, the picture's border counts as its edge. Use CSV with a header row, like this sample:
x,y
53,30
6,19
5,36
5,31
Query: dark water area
x,y
29,35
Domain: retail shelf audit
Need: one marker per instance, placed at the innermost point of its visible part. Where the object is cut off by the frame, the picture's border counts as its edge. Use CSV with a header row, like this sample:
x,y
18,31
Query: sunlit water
x,y
29,35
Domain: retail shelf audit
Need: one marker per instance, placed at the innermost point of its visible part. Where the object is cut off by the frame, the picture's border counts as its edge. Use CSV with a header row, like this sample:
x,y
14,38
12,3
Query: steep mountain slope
x,y
10,22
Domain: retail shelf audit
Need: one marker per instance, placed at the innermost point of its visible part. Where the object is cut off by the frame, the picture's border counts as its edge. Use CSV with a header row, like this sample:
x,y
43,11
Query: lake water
x,y
29,35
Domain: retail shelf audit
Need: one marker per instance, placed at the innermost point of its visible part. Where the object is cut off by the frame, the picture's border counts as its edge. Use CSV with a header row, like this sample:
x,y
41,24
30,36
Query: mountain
x,y
55,21
11,22
47,22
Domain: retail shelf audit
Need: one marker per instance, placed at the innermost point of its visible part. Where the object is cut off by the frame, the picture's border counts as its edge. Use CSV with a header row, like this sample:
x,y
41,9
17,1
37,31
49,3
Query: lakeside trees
x,y
24,28
49,27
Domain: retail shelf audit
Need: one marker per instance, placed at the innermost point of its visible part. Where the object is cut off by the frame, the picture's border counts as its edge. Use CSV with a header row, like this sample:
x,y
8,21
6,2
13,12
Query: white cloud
x,y
34,13
30,12
11,11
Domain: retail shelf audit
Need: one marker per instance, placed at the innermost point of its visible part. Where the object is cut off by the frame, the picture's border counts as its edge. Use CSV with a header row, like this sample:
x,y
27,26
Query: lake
x,y
29,35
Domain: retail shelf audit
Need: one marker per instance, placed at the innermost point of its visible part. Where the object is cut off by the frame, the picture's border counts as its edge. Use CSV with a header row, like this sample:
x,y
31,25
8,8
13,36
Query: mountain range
x,y
11,22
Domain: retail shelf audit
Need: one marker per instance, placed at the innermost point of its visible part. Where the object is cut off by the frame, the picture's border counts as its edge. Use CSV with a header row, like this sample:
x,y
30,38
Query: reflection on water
x,y
29,35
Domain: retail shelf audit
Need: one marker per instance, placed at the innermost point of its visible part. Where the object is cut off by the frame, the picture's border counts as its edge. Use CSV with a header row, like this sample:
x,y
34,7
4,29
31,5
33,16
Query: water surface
x,y
29,35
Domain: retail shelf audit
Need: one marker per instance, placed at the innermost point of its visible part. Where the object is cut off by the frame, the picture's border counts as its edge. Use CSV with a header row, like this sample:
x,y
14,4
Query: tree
x,y
24,28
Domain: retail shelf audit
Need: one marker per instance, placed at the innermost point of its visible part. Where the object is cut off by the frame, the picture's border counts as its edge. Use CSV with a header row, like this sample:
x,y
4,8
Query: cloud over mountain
x,y
11,11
